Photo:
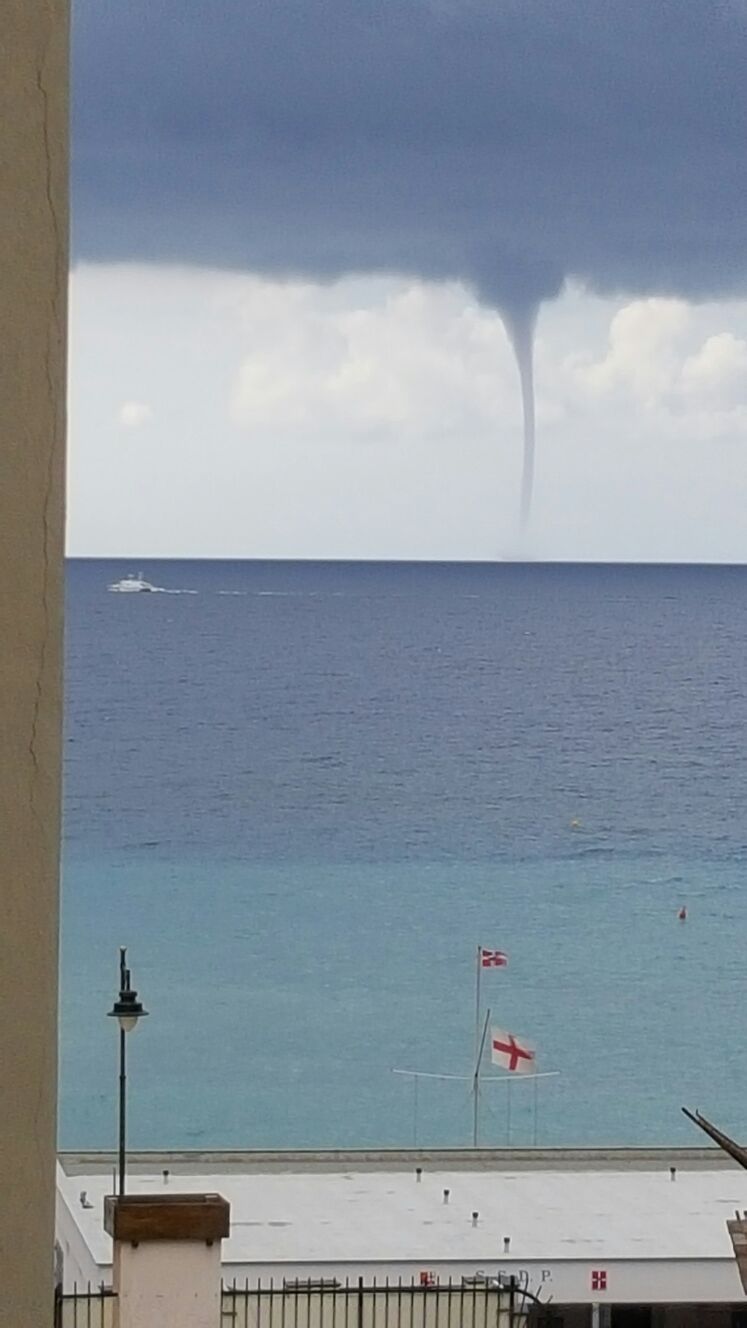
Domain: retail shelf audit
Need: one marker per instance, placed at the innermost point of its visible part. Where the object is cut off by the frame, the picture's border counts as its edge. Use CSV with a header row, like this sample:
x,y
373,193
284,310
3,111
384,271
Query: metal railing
x,y
92,1308
359,1304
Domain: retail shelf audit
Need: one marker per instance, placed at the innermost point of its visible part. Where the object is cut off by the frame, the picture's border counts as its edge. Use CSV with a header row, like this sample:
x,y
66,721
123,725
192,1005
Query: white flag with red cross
x,y
512,1052
492,958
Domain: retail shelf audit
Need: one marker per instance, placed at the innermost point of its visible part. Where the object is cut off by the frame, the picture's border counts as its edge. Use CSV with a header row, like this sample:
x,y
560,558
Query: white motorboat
x,y
130,584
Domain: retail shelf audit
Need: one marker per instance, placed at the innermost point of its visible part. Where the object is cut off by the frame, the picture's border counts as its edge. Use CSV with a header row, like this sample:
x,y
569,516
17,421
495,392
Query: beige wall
x,y
33,281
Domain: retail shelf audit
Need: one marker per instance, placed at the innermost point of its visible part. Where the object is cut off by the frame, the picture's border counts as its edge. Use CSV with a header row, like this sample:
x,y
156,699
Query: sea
x,y
302,794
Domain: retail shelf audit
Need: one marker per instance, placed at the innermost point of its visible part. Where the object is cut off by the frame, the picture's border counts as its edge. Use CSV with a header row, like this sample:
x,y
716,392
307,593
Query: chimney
x,y
166,1266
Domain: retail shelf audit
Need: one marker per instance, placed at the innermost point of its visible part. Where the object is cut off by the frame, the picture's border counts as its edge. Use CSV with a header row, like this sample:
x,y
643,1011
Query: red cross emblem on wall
x,y
599,1279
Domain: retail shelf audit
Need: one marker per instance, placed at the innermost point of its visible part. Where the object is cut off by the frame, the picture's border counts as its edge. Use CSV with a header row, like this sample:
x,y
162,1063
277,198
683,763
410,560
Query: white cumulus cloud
x,y
643,351
133,414
718,370
382,418
661,372
413,360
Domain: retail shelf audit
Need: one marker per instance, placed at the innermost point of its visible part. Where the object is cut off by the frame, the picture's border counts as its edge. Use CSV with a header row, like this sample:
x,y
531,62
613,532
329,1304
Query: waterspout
x,y
520,322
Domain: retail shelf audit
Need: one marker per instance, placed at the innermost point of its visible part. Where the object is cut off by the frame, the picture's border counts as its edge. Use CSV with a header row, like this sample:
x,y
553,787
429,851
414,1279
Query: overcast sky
x,y
297,227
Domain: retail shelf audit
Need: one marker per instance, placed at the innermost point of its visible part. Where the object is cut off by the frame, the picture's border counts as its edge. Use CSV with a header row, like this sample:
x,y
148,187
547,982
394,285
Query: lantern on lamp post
x,y
127,1010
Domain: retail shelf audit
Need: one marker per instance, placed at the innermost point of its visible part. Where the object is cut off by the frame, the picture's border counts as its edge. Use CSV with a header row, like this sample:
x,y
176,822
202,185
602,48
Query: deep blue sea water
x,y
303,795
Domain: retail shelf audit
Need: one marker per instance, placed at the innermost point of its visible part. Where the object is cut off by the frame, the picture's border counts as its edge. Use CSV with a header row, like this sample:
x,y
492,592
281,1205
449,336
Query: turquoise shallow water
x,y
303,803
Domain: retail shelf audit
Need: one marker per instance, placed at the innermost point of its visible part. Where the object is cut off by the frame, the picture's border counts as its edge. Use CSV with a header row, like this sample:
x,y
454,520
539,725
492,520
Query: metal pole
x,y
477,999
476,1082
122,1107
536,1105
508,1113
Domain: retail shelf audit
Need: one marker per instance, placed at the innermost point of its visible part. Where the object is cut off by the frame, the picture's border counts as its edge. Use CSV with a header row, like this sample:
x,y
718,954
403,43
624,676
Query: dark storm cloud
x,y
512,143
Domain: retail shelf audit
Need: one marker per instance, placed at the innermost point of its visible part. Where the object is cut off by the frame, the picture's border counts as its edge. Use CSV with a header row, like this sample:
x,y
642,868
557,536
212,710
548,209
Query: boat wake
x,y
133,585
268,594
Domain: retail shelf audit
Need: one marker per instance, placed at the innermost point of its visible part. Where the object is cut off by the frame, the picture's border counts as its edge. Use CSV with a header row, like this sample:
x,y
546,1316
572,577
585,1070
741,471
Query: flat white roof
x,y
372,1216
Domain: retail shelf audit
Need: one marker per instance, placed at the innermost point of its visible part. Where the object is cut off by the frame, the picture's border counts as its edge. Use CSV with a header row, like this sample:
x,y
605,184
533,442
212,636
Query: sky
x,y
306,232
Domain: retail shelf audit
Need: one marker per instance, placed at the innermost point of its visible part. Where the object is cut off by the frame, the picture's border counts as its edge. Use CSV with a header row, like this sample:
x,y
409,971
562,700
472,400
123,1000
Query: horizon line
x,y
401,562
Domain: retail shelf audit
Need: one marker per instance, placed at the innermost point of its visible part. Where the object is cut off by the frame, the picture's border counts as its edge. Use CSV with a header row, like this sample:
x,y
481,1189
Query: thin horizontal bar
x,y
484,1079
426,1074
516,1078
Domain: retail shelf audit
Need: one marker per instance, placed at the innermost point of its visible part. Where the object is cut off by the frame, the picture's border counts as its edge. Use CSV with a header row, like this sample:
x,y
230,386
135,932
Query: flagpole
x,y
476,1082
477,999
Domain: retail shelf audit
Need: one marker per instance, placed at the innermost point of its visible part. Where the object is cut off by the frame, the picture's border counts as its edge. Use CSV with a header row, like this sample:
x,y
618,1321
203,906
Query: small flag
x,y
493,958
511,1052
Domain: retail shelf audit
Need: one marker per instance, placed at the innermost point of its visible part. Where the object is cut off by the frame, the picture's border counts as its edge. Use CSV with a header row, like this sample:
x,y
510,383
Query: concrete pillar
x,y
33,286
167,1259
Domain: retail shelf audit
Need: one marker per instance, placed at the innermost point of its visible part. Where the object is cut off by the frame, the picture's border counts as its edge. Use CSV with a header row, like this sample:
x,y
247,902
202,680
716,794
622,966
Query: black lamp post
x,y
127,1010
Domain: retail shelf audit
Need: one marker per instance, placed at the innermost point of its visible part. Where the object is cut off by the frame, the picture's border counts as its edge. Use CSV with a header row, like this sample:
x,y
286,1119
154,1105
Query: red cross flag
x,y
493,958
511,1052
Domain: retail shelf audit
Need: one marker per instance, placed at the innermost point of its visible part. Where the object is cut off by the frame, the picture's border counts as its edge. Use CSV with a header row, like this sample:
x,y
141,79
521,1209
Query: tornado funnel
x,y
520,323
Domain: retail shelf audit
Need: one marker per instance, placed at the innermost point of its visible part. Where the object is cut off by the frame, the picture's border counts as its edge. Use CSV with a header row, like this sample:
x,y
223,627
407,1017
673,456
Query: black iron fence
x,y
466,1303
92,1308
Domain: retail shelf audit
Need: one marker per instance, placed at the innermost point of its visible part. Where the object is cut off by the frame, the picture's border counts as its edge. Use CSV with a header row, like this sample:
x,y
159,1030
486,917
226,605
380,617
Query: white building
x,y
639,1234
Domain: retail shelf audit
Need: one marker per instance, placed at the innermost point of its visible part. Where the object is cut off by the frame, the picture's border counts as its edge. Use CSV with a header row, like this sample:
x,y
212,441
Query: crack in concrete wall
x,y
54,350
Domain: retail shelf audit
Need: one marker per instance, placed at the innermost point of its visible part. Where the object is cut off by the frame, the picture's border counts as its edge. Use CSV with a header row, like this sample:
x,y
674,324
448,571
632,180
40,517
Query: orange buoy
x,y
682,915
